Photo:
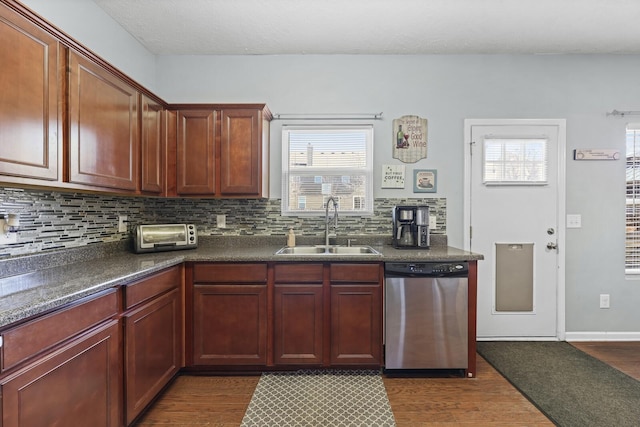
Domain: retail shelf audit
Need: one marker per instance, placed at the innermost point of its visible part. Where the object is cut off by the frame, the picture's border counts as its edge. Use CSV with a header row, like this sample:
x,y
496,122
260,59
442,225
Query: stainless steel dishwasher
x,y
426,316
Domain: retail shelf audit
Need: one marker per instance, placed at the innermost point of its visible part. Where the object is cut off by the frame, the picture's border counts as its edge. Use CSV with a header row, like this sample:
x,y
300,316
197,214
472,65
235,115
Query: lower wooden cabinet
x,y
298,313
356,330
78,384
285,314
153,349
356,314
298,323
328,314
230,314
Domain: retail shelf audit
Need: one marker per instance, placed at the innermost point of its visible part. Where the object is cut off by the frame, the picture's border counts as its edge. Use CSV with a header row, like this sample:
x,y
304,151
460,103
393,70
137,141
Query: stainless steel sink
x,y
353,250
322,250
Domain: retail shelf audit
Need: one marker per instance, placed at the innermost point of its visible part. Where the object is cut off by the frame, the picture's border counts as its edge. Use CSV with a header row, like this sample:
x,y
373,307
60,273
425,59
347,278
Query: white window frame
x,y
520,163
632,205
367,170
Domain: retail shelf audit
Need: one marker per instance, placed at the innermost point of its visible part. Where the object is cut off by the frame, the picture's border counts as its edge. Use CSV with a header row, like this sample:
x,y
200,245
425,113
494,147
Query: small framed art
x,y
425,180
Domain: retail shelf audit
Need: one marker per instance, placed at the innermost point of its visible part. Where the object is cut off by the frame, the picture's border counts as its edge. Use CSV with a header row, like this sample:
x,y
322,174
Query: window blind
x,y
323,161
515,161
632,233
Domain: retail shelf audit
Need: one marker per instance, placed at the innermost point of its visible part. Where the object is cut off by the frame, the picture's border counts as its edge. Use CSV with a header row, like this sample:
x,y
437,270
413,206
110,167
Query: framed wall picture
x,y
425,180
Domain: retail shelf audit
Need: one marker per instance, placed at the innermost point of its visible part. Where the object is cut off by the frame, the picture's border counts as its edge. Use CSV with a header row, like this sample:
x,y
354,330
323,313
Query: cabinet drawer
x,y
79,384
298,273
230,273
151,286
31,338
355,273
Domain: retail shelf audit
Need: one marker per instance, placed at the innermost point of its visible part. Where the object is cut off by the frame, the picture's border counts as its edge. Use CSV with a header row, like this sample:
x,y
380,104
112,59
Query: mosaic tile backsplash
x,y
53,220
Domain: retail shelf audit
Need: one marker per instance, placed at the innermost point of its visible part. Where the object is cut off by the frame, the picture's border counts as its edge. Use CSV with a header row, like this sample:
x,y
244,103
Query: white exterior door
x,y
514,205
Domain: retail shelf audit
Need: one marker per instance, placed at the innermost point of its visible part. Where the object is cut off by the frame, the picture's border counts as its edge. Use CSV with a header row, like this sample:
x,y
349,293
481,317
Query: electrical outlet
x,y
604,301
433,224
221,221
122,223
8,238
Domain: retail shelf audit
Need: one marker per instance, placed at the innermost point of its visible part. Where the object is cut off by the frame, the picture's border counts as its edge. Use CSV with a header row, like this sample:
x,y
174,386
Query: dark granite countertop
x,y
37,284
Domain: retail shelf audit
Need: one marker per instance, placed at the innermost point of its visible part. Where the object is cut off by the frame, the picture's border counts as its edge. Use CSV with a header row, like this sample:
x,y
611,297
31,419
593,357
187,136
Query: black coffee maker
x,y
411,227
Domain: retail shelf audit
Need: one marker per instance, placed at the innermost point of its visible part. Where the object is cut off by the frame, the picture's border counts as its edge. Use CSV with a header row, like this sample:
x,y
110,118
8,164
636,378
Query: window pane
x,y
515,161
350,194
632,246
321,161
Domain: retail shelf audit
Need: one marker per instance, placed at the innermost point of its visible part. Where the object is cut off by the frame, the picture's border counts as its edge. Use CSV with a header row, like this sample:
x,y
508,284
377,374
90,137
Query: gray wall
x,y
445,89
86,23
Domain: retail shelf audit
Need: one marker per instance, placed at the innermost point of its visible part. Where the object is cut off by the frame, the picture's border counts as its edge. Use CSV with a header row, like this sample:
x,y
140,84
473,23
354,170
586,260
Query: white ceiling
x,y
380,26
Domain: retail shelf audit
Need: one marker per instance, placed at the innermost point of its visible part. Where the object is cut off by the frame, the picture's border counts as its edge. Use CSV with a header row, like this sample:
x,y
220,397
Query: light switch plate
x,y
221,221
574,221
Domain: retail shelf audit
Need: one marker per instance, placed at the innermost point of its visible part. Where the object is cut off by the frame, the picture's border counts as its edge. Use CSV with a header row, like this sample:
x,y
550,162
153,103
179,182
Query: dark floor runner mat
x,y
569,386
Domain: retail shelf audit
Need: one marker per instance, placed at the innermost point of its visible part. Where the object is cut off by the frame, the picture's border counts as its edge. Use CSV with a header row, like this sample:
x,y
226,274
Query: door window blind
x,y
515,161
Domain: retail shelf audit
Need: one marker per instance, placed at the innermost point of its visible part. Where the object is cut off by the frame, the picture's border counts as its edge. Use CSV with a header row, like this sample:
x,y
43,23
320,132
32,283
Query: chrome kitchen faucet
x,y
326,221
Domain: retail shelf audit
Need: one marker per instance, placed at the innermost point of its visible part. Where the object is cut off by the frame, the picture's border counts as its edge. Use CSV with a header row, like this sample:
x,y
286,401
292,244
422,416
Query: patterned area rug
x,y
319,398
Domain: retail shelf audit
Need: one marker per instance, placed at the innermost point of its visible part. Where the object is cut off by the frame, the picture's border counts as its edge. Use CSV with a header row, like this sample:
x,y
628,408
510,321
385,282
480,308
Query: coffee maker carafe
x,y
411,227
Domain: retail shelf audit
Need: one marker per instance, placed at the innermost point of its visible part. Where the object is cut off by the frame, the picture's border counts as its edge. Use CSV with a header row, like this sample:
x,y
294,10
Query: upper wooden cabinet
x,y
153,146
196,165
103,127
223,150
244,152
70,120
30,101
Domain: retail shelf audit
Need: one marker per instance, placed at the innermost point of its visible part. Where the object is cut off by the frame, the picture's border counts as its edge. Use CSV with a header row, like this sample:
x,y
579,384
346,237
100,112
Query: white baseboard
x,y
516,339
602,336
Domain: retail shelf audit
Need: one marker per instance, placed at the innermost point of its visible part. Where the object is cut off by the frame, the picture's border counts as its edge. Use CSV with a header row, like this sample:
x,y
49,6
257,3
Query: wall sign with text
x,y
392,176
425,181
601,154
409,139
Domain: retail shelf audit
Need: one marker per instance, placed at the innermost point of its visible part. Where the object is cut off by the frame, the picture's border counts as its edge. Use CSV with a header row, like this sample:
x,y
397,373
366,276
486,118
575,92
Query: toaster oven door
x,y
163,235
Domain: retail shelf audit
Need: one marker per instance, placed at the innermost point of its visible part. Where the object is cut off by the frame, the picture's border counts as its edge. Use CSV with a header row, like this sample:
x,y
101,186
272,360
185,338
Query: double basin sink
x,y
322,250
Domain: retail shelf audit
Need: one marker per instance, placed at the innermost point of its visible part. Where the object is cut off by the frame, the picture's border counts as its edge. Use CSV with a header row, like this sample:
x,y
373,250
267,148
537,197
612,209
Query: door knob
x,y
551,246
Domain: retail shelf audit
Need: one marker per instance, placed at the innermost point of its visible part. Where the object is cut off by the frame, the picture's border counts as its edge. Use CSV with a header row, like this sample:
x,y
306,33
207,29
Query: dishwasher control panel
x,y
427,268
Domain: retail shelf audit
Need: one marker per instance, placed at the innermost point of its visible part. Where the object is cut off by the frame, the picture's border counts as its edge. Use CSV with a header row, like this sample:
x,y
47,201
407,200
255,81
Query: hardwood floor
x,y
624,355
488,400
202,401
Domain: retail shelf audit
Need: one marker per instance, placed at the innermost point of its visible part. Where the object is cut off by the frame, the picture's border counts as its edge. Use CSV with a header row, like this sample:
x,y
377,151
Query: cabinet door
x,y
103,120
196,166
298,324
241,152
153,342
78,384
153,146
230,324
356,325
30,97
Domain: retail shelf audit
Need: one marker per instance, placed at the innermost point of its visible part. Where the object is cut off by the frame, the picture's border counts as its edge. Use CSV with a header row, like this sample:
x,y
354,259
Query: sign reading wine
x,y
409,139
